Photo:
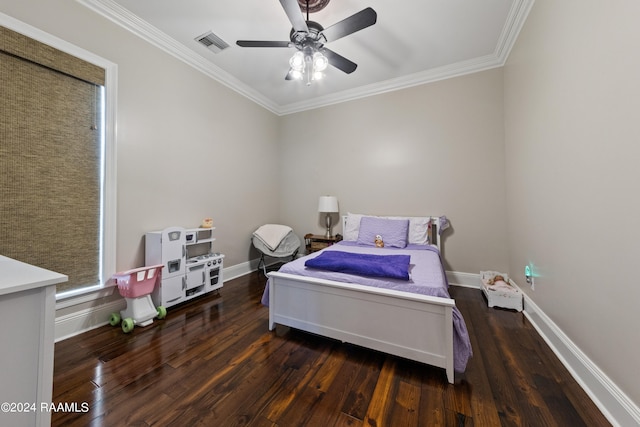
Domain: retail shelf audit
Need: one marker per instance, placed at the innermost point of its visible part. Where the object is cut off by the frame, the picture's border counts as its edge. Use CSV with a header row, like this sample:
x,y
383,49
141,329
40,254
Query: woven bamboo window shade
x,y
50,159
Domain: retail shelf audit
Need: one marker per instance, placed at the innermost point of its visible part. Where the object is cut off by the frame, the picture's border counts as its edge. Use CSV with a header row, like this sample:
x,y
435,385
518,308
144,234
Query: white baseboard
x,y
467,280
83,320
614,404
238,270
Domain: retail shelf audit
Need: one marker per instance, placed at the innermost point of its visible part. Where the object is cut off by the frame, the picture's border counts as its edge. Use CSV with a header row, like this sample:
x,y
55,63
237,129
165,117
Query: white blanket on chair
x,y
272,234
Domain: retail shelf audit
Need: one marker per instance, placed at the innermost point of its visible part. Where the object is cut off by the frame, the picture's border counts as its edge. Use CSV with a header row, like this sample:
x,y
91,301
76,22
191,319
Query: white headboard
x,y
434,232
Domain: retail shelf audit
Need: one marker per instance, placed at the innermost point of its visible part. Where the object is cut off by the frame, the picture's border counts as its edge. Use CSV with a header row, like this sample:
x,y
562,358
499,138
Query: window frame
x,y
109,181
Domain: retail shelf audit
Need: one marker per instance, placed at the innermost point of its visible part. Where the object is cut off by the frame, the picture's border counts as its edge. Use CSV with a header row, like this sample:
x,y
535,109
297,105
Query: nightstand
x,y
315,242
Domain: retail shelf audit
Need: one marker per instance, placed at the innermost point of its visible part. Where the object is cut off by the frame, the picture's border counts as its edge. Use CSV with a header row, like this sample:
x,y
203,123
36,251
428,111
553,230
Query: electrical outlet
x,y
529,277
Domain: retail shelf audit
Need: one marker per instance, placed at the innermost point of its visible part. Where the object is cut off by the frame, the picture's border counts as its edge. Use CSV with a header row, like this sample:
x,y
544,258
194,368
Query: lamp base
x,y
328,224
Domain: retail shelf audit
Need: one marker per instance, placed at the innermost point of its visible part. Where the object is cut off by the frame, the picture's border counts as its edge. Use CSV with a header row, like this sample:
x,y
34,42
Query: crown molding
x,y
121,16
428,76
513,25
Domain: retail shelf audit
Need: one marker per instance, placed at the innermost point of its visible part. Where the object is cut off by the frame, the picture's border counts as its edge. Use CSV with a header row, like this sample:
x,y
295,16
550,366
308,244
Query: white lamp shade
x,y
328,204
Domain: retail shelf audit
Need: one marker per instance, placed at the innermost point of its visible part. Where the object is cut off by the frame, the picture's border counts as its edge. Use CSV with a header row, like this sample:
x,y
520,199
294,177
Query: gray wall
x,y
537,166
572,101
434,149
188,147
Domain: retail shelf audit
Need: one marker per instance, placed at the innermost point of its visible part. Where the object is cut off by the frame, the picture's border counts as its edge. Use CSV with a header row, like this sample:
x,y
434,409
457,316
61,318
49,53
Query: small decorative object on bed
x,y
499,292
344,292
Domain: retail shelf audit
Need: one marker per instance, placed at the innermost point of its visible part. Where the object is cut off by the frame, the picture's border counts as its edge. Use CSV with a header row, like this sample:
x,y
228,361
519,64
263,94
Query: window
x,y
57,186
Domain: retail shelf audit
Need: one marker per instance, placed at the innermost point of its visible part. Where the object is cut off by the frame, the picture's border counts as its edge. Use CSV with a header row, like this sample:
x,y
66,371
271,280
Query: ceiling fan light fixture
x,y
297,61
309,38
308,63
320,62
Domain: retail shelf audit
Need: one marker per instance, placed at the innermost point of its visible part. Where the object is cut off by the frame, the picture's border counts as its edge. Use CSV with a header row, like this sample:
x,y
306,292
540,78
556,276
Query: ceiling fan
x,y
309,38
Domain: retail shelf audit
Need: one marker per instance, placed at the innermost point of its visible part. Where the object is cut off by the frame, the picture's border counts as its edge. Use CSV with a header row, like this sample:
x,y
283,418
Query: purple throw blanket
x,y
391,266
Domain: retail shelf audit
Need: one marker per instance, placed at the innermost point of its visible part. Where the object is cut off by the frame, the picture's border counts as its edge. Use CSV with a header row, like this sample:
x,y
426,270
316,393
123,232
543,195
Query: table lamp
x,y
329,205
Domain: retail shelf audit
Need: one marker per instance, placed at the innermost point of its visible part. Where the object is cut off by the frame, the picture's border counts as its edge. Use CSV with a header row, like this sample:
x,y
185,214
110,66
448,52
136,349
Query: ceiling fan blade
x,y
292,9
356,22
289,75
339,61
260,43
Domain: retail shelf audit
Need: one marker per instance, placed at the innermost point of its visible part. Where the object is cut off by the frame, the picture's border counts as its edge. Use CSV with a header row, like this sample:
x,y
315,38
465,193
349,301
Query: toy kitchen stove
x,y
204,270
191,266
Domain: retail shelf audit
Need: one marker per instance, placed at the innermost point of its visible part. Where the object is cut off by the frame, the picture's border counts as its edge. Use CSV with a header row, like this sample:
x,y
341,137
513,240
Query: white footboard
x,y
413,326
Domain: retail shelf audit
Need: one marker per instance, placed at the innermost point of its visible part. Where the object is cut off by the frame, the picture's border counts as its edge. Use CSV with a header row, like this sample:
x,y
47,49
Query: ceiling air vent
x,y
212,42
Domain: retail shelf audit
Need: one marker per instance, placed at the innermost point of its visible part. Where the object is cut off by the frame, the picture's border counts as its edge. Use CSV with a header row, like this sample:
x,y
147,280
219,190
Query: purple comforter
x,y
426,277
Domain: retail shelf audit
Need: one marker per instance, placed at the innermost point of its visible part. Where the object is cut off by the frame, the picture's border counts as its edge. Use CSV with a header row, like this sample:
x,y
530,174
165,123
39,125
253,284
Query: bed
x,y
426,326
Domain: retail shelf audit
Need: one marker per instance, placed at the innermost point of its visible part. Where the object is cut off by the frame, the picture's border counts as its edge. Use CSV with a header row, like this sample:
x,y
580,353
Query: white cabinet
x,y
171,291
28,305
190,266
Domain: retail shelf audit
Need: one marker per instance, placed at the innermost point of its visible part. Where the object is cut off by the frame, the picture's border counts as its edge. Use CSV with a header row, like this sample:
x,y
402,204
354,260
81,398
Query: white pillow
x,y
352,227
419,230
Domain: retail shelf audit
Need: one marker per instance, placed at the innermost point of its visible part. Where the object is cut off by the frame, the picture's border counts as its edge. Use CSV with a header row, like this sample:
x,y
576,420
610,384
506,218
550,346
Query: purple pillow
x,y
394,232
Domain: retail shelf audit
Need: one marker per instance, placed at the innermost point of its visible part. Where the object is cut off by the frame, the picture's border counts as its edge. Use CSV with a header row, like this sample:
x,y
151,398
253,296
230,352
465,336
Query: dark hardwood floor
x,y
212,362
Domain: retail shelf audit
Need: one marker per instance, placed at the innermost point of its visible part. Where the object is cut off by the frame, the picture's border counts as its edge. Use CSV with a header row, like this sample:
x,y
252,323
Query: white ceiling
x,y
412,42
